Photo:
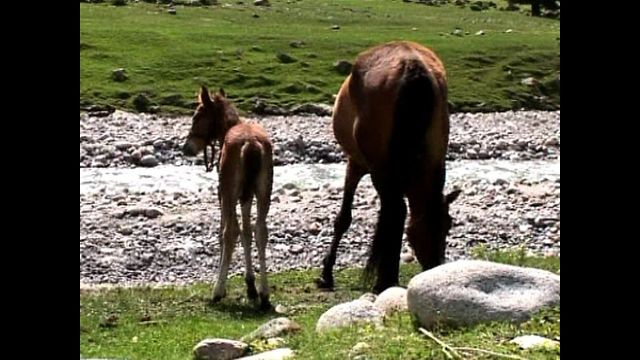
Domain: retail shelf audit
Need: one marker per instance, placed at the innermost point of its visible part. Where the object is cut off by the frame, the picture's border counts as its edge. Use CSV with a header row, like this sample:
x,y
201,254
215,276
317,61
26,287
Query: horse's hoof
x,y
216,299
323,284
265,304
377,289
252,294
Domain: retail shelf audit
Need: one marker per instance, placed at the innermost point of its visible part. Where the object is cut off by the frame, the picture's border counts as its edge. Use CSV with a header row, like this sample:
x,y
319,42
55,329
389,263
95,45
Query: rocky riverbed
x,y
129,140
159,232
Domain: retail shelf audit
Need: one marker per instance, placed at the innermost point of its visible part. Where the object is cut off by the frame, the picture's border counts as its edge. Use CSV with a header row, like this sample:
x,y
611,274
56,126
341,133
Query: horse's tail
x,y
251,160
413,114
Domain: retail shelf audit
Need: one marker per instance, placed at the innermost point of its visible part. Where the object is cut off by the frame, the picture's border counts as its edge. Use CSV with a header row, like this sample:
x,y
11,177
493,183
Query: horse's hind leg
x,y
387,240
230,234
249,276
341,223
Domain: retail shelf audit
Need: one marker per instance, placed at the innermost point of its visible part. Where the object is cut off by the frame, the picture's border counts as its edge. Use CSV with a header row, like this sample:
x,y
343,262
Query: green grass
x,y
179,317
167,57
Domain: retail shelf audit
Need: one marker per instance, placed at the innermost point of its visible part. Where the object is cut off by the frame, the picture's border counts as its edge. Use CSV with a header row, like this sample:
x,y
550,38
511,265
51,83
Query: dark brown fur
x,y
391,117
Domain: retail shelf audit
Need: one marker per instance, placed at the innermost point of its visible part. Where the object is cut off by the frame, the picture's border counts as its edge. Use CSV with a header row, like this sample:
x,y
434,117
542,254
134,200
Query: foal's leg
x,y
387,240
229,236
263,200
249,277
341,223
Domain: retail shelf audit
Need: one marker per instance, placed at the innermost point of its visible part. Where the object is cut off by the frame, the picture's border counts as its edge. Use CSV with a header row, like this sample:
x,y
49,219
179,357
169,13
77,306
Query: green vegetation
x,y
240,47
165,323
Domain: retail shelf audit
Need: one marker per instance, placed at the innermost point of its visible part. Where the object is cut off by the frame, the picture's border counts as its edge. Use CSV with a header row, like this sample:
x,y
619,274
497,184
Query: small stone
x,y
149,161
349,314
552,142
136,156
500,182
296,43
407,257
158,144
359,349
125,231
535,341
393,299
508,31
141,102
296,249
261,3
294,193
314,228
371,297
285,58
109,321
335,27
281,309
277,354
123,145
273,328
119,75
343,67
219,349
152,213
289,186
481,32
171,11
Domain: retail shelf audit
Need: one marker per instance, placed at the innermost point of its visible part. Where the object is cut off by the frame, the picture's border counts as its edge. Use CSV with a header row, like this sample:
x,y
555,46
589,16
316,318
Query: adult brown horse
x,y
245,171
391,118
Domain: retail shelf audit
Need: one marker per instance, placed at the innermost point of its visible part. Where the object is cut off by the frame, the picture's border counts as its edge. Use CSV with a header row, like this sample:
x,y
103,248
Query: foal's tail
x,y
251,160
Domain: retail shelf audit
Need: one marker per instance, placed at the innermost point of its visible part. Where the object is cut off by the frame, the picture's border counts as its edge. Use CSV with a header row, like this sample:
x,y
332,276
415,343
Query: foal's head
x,y
213,116
428,234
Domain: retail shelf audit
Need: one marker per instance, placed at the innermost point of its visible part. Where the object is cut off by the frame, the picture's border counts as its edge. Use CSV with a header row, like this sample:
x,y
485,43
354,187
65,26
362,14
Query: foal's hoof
x,y
324,284
216,299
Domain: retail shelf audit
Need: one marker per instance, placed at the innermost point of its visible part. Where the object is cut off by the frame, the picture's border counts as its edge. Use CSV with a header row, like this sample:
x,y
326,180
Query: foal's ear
x,y
222,92
204,96
452,196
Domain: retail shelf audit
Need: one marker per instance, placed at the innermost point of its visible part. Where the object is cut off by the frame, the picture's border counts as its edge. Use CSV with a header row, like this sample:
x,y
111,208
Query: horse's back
x,y
365,107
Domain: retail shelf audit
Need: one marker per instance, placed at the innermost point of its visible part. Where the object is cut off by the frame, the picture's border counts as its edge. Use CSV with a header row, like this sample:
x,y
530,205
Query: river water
x,y
172,179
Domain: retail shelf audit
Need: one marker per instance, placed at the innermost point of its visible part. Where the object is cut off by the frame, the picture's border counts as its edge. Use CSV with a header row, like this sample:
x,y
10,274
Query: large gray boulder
x,y
468,292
